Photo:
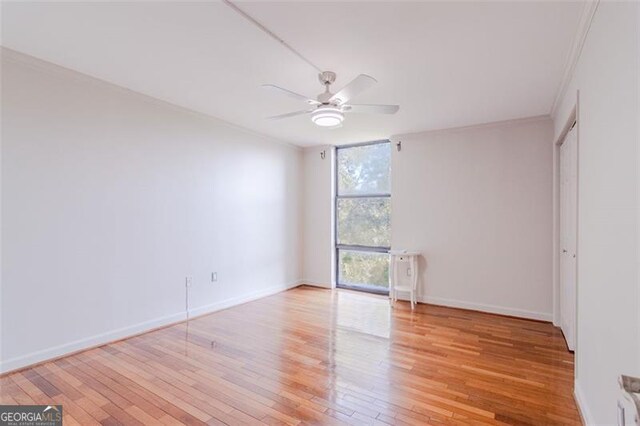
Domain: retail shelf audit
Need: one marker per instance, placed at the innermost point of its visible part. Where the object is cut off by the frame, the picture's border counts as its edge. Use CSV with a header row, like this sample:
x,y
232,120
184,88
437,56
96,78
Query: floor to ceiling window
x,y
363,216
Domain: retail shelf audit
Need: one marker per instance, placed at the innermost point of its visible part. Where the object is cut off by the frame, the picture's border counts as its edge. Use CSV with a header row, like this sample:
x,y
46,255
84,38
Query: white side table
x,y
397,258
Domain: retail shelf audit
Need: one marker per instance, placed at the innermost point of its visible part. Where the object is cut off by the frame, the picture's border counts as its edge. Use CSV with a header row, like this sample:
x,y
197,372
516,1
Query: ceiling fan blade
x,y
290,114
290,94
357,85
372,109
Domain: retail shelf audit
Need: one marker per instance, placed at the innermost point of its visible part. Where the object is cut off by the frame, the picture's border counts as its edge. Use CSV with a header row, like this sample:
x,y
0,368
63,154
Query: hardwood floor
x,y
316,356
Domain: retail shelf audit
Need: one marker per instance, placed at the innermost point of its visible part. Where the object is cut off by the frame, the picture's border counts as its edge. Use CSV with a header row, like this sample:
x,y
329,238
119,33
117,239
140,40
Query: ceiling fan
x,y
329,108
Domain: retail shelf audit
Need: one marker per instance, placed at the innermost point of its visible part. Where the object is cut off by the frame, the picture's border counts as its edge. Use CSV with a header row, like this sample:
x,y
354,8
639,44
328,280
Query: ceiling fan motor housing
x,y
327,77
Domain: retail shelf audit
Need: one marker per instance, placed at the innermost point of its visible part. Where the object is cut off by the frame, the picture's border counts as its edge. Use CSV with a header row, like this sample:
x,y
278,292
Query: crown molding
x,y
513,121
46,66
588,12
318,148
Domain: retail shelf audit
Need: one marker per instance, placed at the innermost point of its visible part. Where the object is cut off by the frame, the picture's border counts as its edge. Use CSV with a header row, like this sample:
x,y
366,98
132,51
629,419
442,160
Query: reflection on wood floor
x,y
316,356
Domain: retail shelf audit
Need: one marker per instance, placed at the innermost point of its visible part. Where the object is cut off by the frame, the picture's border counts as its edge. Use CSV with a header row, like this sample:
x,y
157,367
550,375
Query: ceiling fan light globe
x,y
327,117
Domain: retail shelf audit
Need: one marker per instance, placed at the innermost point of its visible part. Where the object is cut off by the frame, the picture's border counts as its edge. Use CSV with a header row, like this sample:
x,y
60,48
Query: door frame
x,y
573,117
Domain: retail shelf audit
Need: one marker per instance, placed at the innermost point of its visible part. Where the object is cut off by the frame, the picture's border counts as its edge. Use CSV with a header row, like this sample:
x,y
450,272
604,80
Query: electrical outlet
x,y
188,281
214,277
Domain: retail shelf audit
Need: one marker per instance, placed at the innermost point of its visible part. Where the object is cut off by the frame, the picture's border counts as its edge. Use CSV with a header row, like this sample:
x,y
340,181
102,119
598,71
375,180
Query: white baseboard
x,y
585,413
86,343
493,309
315,284
235,301
130,331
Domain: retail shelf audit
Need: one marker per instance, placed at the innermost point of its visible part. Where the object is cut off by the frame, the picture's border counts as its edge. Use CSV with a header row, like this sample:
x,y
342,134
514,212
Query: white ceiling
x,y
447,64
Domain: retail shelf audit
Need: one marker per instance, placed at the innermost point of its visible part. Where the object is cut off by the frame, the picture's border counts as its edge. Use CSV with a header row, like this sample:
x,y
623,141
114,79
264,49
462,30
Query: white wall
x,y
318,216
608,332
110,199
477,202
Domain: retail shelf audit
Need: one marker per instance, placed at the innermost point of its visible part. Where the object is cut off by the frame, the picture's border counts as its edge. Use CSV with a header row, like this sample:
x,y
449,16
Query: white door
x,y
568,235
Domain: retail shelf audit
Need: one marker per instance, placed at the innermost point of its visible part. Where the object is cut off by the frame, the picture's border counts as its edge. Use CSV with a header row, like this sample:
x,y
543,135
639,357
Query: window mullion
x,y
347,196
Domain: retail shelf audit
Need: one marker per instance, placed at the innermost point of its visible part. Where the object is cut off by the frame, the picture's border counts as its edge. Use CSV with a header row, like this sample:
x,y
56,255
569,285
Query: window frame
x,y
337,197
